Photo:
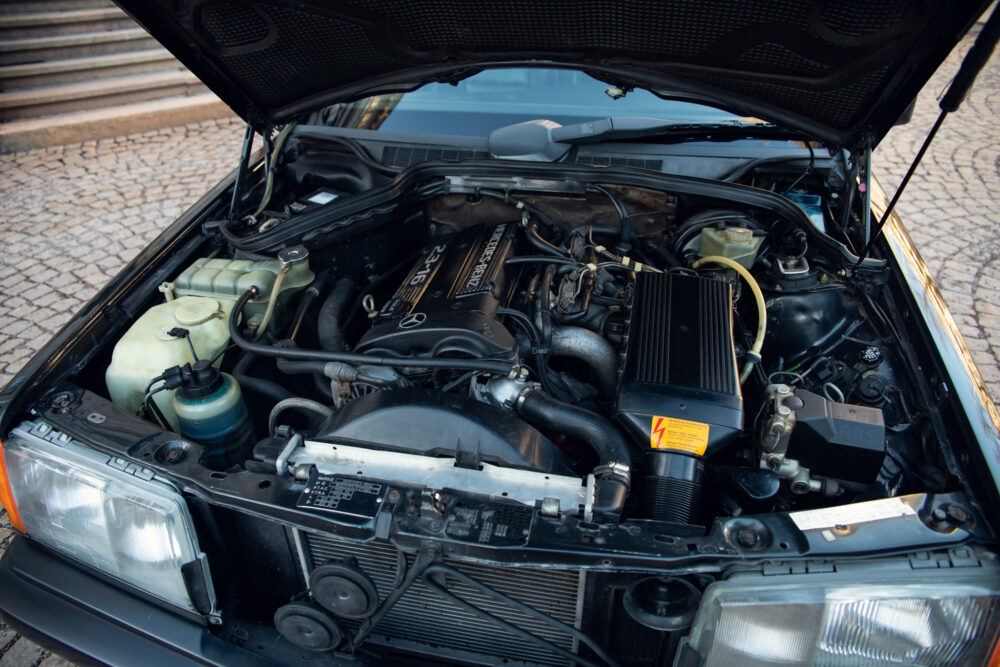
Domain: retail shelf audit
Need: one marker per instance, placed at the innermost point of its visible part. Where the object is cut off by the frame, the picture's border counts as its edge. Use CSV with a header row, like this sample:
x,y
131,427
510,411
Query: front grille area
x,y
424,617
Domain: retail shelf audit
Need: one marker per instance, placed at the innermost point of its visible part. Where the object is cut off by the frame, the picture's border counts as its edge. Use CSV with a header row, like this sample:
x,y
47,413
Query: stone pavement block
x,y
22,653
7,636
55,661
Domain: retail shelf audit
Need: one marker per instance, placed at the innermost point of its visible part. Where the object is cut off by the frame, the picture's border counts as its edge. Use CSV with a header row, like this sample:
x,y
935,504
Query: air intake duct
x,y
679,396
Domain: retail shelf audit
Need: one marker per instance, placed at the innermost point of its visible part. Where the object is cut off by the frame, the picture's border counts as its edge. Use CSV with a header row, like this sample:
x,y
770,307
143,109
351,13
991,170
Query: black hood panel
x,y
834,69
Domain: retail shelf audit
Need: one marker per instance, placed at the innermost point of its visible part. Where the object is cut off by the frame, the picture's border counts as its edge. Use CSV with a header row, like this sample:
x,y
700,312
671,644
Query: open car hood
x,y
841,71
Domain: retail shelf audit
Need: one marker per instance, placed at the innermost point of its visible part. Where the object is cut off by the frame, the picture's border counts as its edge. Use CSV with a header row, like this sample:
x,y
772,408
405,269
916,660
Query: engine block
x,y
447,303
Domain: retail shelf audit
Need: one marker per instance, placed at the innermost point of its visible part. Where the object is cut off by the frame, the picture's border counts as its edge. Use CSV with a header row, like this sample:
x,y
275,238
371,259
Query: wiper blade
x,y
547,141
631,127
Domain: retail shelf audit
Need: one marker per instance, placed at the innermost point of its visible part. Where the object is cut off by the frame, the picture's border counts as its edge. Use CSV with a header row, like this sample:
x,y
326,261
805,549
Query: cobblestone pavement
x,y
72,216
951,206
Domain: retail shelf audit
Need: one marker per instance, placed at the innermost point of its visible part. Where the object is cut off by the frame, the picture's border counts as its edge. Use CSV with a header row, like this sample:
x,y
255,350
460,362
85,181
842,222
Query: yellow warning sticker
x,y
681,434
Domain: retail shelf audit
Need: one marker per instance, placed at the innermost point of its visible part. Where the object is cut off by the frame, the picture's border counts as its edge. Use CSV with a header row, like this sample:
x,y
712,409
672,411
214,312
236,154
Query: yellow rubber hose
x,y
275,289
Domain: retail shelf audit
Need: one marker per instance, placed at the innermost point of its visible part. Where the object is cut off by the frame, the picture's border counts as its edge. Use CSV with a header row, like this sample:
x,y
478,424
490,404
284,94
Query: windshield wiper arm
x,y
631,127
547,141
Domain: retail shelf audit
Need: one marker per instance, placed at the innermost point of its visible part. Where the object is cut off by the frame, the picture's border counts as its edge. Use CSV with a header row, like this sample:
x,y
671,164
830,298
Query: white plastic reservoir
x,y
147,349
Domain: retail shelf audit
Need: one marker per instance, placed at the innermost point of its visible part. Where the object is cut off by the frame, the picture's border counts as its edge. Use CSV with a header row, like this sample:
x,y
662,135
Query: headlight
x,y
857,617
135,529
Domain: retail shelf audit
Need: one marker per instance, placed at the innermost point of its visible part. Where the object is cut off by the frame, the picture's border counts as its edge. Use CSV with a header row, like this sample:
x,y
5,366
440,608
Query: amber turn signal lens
x,y
7,497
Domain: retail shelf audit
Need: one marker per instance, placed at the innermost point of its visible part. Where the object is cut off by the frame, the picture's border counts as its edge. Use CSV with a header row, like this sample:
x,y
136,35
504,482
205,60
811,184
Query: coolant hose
x,y
271,390
482,365
614,469
311,294
758,296
330,321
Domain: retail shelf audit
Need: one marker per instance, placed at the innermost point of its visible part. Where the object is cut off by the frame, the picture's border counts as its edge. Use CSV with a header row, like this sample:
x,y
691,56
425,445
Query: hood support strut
x,y
241,170
972,64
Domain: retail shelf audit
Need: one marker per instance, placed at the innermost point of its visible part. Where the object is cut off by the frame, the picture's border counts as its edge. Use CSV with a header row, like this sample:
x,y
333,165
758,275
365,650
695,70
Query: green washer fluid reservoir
x,y
211,411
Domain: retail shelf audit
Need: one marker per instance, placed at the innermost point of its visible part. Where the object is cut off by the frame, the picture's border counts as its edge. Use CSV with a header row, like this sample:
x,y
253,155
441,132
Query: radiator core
x,y
423,617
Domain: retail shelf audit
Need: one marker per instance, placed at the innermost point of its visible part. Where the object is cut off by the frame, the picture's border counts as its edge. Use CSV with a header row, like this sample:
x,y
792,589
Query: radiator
x,y
425,618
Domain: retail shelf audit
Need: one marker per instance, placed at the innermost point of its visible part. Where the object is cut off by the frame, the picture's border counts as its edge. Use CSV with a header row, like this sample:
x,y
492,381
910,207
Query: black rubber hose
x,y
625,238
330,321
603,437
590,230
311,294
538,259
301,367
271,390
484,365
535,239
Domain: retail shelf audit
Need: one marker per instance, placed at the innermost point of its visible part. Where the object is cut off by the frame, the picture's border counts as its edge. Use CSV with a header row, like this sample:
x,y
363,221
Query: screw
x,y
957,515
939,515
61,402
748,538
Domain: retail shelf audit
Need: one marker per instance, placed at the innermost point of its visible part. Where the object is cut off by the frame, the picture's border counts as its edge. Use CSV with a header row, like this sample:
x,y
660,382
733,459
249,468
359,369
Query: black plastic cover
x,y
838,440
432,423
680,364
447,304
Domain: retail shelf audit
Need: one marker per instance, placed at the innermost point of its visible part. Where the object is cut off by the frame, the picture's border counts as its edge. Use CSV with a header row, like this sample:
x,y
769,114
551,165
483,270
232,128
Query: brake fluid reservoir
x,y
737,243
211,411
147,349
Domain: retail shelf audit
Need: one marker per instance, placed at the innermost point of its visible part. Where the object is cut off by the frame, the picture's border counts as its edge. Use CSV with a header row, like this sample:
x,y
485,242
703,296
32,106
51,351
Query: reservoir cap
x,y
196,310
200,380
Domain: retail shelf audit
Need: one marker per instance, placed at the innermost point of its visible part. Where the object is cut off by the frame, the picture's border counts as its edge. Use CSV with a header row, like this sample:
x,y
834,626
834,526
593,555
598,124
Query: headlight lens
x,y
920,618
69,498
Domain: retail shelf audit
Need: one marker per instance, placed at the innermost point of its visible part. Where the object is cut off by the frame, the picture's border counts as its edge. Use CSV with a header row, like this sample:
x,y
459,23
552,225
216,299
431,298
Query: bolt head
x,y
748,537
61,402
957,514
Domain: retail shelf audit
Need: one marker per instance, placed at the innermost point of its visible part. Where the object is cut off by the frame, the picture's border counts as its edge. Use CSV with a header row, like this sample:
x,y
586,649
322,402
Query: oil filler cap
x,y
344,589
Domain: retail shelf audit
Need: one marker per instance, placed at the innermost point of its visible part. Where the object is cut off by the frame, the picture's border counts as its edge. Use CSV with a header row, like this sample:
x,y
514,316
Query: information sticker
x,y
679,434
848,515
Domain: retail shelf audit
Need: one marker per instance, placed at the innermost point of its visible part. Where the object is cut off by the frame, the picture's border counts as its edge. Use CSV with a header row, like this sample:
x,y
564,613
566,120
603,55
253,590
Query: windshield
x,y
496,98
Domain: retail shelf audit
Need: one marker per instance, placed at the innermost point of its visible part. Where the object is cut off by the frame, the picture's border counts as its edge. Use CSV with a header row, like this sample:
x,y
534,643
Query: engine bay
x,y
590,373
690,357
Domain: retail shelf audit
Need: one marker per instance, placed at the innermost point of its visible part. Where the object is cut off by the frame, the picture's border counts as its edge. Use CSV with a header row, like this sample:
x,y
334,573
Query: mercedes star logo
x,y
412,320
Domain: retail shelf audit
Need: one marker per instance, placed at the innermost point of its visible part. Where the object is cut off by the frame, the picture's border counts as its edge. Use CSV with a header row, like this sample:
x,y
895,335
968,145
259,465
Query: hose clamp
x,y
620,471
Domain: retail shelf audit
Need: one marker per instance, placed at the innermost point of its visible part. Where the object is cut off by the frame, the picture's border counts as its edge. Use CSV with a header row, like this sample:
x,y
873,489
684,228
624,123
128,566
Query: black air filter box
x,y
679,388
